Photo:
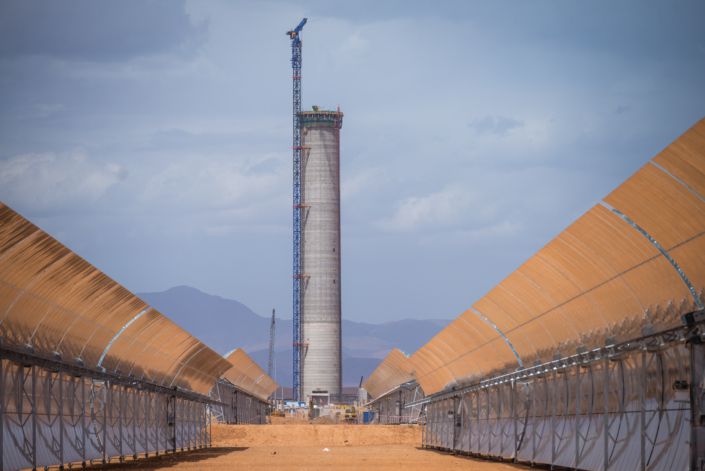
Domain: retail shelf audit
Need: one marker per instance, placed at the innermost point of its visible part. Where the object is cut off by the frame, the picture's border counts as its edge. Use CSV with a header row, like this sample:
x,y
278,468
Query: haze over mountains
x,y
225,324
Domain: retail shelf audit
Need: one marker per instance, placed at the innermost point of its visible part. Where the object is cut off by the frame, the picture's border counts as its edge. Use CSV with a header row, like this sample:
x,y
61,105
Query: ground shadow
x,y
171,459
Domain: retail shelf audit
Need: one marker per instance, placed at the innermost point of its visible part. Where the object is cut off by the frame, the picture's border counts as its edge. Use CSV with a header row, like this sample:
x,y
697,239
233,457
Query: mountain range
x,y
225,324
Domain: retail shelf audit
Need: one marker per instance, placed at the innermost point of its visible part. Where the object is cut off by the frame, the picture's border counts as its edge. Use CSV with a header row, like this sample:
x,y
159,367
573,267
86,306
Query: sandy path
x,y
301,447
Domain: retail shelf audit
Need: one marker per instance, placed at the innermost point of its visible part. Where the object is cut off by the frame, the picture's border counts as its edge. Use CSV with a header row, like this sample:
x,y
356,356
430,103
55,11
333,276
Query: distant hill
x,y
221,323
225,324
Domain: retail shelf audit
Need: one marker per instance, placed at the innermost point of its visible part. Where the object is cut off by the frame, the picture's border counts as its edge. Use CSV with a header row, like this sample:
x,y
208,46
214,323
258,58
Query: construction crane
x,y
294,35
272,329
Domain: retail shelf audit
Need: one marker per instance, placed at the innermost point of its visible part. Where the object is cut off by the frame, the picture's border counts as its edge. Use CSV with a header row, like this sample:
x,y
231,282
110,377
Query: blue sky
x,y
153,138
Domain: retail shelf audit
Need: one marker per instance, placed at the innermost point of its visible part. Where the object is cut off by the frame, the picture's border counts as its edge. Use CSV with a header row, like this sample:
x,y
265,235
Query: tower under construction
x,y
320,250
316,243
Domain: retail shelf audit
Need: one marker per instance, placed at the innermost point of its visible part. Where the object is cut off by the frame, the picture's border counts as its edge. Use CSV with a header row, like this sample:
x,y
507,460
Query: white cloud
x,y
355,43
197,182
497,125
500,229
442,208
356,183
415,170
54,181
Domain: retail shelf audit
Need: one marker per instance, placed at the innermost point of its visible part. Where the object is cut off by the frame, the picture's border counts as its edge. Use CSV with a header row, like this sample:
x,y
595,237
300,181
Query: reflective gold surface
x,y
248,376
598,278
54,302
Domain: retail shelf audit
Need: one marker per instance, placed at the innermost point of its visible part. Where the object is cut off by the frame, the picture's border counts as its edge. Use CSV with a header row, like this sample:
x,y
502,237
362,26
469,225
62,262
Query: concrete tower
x,y
320,242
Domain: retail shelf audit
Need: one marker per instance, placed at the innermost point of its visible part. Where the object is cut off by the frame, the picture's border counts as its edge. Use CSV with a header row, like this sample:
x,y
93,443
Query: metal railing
x,y
235,406
53,413
625,406
393,406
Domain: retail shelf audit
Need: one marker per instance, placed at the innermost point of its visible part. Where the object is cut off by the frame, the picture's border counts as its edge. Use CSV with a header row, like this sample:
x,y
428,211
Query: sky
x,y
153,137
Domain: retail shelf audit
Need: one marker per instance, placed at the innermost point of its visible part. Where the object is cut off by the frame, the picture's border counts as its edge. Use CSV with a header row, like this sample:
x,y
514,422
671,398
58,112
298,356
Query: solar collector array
x,y
54,303
246,374
639,251
395,369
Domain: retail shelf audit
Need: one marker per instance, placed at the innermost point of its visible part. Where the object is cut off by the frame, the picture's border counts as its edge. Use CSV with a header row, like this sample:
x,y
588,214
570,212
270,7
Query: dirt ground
x,y
311,447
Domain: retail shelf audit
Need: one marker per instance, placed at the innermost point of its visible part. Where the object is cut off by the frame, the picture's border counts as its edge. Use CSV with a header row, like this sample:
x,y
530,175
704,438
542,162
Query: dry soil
x,y
304,446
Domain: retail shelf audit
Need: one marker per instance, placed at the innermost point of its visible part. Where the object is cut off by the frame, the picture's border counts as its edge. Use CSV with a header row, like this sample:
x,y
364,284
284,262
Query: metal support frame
x,y
478,400
612,408
642,410
391,407
236,416
490,415
170,436
606,413
454,424
554,409
55,414
2,411
235,406
513,419
617,418
697,400
33,400
147,422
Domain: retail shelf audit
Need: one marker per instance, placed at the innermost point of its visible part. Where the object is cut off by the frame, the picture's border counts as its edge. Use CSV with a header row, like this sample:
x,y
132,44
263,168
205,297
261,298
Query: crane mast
x,y
294,35
272,330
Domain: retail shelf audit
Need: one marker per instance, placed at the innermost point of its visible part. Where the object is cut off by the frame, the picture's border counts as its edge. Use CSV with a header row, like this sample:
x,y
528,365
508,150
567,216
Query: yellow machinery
x,y
351,414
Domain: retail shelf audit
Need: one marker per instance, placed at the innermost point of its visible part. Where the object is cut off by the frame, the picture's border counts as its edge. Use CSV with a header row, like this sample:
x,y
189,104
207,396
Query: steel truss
x,y
53,414
625,406
297,223
391,407
235,406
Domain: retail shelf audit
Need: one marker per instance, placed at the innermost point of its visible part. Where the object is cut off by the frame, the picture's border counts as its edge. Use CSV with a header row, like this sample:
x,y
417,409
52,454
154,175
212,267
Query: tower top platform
x,y
321,118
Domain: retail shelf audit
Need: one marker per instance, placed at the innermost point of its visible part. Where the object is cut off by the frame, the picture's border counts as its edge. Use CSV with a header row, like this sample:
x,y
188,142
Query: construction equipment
x,y
351,414
294,35
272,329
